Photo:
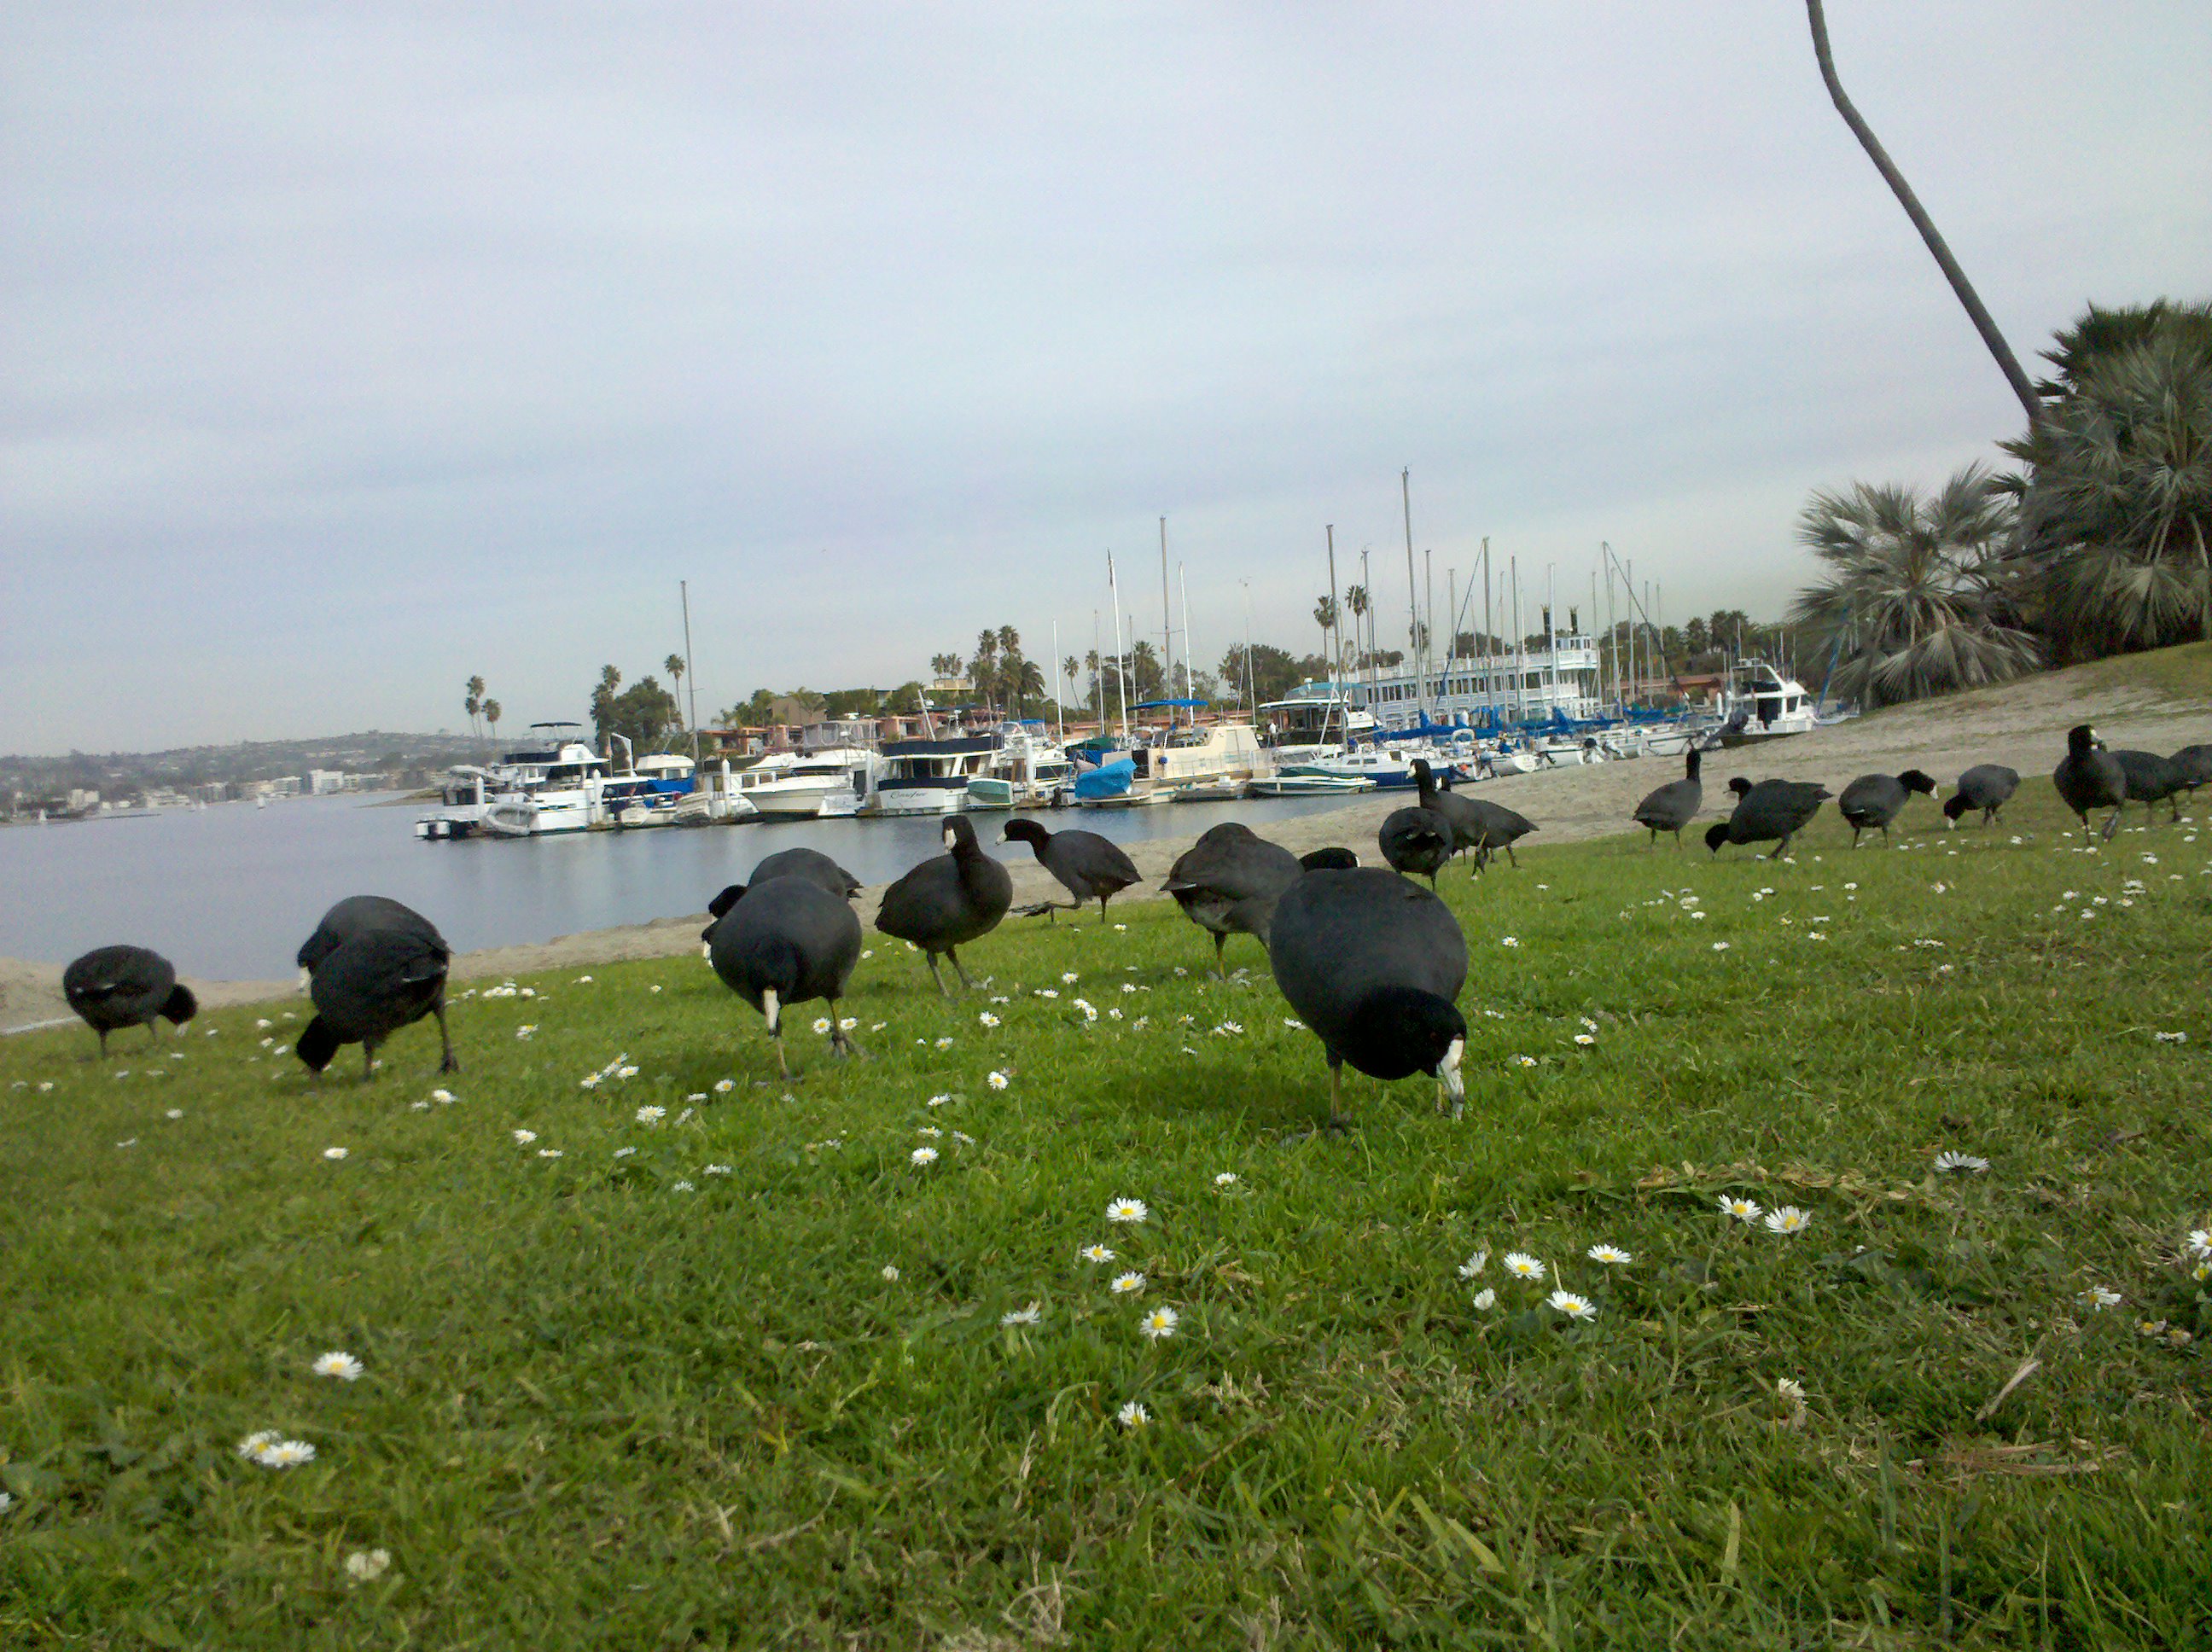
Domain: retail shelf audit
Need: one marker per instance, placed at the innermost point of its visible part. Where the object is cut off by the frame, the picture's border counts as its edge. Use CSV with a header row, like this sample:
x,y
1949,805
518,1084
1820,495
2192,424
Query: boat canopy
x,y
1106,780
1164,705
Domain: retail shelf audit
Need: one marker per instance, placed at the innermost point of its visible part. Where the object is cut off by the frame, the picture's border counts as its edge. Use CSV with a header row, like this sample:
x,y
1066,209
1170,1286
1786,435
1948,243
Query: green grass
x,y
601,1411
2182,673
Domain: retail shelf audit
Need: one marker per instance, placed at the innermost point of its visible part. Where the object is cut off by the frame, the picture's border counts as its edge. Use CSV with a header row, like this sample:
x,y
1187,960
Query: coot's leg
x,y
1336,1118
368,1060
782,1067
1220,969
953,953
2109,825
1102,910
447,1063
936,977
1513,859
153,1035
102,1031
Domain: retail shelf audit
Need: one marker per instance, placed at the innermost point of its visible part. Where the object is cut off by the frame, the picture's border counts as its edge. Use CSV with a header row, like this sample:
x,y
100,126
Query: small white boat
x,y
930,777
1307,783
554,787
1028,771
829,781
1760,702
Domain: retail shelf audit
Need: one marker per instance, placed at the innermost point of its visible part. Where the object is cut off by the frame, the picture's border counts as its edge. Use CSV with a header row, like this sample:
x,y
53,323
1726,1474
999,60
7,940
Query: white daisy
x,y
821,1023
1968,1162
1474,1264
1574,1306
717,1169
1068,978
681,1187
938,1101
1524,1062
1126,1284
922,1156
2200,1242
525,1136
651,1114
1030,1316
891,1273
1584,1038
590,1081
1744,1209
1294,1023
1612,1255
366,1565
524,1032
174,1113
1096,1254
996,1080
2172,1037
1508,940
334,1152
1485,1300
1521,1265
928,1130
988,1019
945,1044
625,1072
255,1443
1159,1324
724,1086
341,1365
285,1454
624,1152
1226,1178
549,1152
1786,1219
1720,946
1127,1210
1132,1415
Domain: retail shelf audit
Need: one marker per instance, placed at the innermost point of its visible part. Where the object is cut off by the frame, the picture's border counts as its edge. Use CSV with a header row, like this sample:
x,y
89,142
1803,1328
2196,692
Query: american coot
x,y
812,865
2089,777
1985,787
948,901
117,986
1330,859
2152,779
356,915
1459,813
368,987
1372,963
1088,866
1416,841
1496,827
1671,807
1229,881
1872,801
1768,811
787,941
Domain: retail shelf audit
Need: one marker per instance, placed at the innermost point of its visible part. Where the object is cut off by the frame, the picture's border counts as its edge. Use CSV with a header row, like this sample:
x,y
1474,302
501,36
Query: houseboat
x,y
553,786
931,777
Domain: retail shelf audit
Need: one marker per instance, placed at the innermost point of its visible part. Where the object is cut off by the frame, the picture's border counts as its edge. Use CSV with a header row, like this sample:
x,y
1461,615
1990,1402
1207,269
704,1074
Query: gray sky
x,y
354,348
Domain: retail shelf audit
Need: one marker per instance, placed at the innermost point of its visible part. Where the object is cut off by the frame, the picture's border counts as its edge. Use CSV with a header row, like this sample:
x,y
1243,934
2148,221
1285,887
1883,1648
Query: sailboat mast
x,y
1121,660
1336,674
1059,704
1413,593
1189,675
1489,655
683,590
1167,628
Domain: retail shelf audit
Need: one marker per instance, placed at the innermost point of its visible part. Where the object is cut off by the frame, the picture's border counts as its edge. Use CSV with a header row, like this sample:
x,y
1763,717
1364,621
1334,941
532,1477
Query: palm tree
x,y
1915,603
491,716
2008,363
942,666
1025,681
674,666
1091,663
1355,599
474,703
1325,615
1071,668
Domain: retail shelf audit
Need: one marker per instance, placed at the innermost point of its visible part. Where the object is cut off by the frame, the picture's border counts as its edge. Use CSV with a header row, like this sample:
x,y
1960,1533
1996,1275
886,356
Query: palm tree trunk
x,y
2006,361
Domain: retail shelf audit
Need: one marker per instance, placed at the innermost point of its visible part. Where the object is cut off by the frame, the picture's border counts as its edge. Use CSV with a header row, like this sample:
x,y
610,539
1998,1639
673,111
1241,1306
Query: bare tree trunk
x,y
2006,361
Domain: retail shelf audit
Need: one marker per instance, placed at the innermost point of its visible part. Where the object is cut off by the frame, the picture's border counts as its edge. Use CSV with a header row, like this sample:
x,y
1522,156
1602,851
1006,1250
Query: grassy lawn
x,y
736,1375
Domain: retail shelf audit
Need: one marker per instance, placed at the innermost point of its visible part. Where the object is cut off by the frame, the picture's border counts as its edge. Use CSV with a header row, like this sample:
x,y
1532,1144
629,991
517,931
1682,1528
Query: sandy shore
x,y
2022,725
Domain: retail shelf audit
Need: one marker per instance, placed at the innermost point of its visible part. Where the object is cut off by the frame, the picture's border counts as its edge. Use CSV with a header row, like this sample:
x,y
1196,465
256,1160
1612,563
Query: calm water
x,y
228,893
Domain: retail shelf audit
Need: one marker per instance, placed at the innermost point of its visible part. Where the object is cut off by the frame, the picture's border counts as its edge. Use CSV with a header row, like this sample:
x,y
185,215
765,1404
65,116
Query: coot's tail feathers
x,y
315,1045
181,1006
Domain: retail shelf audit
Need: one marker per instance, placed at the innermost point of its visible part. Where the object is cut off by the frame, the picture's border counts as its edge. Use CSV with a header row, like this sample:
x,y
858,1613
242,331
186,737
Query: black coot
x,y
1416,841
1088,866
1872,801
2152,779
1372,963
1459,813
1985,787
949,901
1671,807
112,987
368,987
1330,859
1496,827
1770,811
812,865
1229,881
2089,777
357,915
787,941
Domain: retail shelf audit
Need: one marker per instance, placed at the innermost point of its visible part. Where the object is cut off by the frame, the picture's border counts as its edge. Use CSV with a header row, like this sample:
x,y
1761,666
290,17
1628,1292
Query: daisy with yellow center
x,y
1574,1306
1159,1324
1522,1266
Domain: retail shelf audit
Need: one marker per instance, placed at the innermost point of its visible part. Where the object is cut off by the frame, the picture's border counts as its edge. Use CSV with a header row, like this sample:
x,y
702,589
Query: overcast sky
x,y
353,348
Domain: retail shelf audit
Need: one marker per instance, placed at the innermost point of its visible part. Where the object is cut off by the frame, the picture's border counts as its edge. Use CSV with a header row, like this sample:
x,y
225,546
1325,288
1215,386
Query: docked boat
x,y
1172,758
1306,783
1317,720
930,777
649,795
552,786
1762,703
825,783
1028,771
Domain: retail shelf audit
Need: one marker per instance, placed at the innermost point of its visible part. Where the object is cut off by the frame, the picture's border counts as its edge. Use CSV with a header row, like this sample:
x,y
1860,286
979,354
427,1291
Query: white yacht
x,y
931,777
832,781
551,786
1317,720
1762,703
1028,770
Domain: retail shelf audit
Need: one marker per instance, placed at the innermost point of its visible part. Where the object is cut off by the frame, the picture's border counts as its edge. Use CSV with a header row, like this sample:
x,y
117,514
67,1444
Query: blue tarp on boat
x,y
1106,780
